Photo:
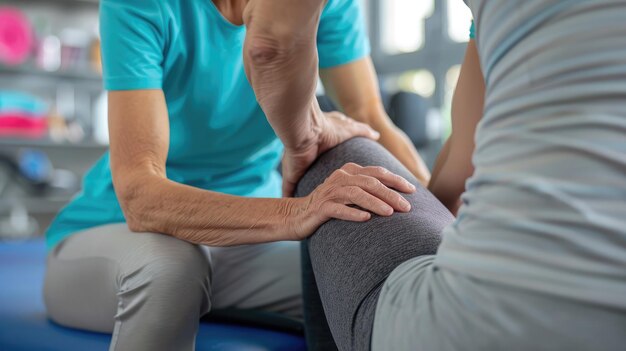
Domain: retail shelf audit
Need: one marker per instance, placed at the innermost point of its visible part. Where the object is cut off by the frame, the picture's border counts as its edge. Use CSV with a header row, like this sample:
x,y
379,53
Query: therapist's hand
x,y
351,193
334,129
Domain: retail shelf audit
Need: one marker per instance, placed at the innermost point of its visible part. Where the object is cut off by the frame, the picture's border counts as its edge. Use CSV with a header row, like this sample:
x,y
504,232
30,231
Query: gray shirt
x,y
536,259
546,207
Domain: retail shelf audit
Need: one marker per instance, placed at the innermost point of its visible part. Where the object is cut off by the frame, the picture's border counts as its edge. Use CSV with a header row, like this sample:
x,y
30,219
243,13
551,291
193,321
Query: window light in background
x,y
421,82
403,24
452,76
459,21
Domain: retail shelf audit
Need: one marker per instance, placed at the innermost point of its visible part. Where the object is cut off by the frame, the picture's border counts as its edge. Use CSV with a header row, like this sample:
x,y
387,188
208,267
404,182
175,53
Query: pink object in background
x,y
22,125
16,36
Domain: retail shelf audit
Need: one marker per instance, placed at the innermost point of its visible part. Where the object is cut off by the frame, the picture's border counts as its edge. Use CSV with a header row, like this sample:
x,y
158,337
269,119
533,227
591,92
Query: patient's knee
x,y
362,151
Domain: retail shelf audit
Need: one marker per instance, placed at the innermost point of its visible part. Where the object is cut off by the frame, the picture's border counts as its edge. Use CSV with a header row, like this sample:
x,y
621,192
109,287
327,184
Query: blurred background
x,y
53,108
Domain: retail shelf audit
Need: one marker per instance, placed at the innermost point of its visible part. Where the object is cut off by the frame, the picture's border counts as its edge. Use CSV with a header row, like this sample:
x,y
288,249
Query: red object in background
x,y
22,125
16,36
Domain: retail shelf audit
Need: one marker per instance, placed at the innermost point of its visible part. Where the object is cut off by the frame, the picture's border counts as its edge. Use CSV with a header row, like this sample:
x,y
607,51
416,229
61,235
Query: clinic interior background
x,y
49,68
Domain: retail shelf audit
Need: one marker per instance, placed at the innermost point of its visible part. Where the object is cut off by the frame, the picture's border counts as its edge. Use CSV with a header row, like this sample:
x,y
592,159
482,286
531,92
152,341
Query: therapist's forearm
x,y
354,88
440,161
281,62
153,203
447,190
399,144
393,139
454,165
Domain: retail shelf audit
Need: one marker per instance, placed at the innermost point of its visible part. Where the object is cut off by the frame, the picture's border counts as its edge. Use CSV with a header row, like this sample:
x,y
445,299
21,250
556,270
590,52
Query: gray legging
x,y
351,260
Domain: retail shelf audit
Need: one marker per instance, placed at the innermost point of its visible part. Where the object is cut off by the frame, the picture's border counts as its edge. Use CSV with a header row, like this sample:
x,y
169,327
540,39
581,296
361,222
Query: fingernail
x,y
406,205
411,186
389,210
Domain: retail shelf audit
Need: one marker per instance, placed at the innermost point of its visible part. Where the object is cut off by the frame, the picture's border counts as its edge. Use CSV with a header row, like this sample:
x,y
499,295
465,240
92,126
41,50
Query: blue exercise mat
x,y
24,326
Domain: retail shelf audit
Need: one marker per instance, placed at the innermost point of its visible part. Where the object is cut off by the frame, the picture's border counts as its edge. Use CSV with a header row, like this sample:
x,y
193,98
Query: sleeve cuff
x,y
339,59
132,83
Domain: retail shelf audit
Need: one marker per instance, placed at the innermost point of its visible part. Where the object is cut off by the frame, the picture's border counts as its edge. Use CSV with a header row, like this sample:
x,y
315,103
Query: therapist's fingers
x,y
380,193
382,174
345,128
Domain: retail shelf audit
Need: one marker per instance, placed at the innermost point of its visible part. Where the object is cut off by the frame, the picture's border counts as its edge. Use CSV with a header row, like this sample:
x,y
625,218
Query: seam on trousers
x,y
117,326
375,290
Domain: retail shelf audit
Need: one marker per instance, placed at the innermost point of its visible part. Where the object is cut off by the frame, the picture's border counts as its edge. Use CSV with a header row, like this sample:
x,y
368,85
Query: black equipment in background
x,y
408,111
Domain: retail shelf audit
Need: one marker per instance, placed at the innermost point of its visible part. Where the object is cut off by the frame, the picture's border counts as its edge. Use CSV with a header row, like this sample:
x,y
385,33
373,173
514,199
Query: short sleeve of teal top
x,y
472,31
135,37
342,36
133,43
220,139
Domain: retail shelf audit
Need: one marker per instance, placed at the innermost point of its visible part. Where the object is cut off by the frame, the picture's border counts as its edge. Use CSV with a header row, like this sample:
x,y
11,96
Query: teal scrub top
x,y
220,139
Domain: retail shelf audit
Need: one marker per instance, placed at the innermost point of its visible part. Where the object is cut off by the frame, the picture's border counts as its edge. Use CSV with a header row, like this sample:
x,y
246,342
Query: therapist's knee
x,y
174,278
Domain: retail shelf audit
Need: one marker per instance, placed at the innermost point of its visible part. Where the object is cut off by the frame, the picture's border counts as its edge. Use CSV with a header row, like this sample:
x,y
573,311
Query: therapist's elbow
x,y
133,195
266,49
269,43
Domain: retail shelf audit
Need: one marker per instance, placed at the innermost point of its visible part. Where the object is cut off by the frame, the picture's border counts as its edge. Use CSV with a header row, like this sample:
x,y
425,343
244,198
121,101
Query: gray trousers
x,y
150,290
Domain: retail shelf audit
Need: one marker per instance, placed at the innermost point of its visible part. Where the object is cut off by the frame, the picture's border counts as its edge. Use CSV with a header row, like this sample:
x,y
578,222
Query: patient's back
x,y
546,207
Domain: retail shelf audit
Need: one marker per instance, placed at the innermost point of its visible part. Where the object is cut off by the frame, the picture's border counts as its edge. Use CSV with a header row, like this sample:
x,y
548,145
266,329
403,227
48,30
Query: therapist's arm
x,y
454,163
354,88
139,142
281,61
280,56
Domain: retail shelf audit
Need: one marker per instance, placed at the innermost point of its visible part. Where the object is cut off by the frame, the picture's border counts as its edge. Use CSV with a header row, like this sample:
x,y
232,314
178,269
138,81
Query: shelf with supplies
x,y
64,2
48,204
47,143
72,75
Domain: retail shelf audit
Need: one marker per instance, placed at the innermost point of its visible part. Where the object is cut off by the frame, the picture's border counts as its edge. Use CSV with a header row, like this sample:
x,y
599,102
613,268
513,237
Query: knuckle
x,y
399,179
338,174
328,189
337,211
391,196
400,200
349,166
343,175
372,182
381,170
353,191
339,115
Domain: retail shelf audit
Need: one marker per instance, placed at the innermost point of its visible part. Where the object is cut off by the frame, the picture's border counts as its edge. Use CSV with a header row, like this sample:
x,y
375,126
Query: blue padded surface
x,y
24,326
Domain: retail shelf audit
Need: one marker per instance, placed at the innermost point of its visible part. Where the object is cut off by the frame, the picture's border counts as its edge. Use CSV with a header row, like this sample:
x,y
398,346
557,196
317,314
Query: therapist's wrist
x,y
294,218
309,130
308,214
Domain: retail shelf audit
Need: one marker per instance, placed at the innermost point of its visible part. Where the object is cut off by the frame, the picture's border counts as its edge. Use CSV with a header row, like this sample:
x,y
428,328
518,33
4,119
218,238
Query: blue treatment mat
x,y
24,326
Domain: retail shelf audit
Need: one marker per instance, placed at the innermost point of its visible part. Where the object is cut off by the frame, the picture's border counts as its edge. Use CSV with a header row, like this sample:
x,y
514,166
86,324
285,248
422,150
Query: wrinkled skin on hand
x,y
336,128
